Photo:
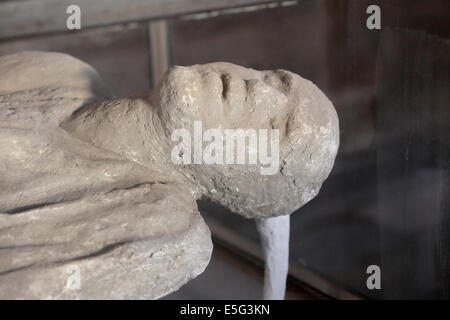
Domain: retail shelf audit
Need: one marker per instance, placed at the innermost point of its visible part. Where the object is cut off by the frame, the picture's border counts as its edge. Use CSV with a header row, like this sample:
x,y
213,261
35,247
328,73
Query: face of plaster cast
x,y
224,95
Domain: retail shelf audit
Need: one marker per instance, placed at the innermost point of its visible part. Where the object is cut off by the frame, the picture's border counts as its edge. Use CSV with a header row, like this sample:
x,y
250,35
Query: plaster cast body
x,y
77,161
132,233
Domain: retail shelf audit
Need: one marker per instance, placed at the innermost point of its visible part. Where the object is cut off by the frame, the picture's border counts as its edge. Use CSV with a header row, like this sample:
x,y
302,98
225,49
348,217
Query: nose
x,y
279,79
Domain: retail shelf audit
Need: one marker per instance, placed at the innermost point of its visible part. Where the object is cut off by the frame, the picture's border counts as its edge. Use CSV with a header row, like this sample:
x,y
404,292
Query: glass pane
x,y
386,200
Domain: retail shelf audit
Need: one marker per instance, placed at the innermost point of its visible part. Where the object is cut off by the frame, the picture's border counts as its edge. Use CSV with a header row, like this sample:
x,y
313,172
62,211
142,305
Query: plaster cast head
x,y
226,96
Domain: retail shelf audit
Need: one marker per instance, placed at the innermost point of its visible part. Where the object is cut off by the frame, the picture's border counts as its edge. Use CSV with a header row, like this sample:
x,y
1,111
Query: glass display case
x,y
385,204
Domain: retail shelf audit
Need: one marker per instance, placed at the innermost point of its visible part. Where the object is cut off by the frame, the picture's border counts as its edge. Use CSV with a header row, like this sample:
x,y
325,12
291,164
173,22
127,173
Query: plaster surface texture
x,y
88,179
69,208
224,96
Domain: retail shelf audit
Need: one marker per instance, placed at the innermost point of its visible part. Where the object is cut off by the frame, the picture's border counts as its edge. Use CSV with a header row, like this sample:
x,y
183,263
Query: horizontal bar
x,y
31,17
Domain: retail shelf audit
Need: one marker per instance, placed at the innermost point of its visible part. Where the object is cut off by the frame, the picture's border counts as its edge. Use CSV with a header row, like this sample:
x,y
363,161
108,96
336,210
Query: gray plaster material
x,y
131,231
86,179
225,96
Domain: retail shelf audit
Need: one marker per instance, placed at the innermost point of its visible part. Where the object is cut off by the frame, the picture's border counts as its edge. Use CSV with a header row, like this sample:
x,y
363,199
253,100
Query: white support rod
x,y
274,235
